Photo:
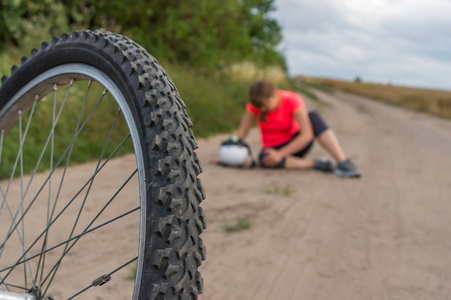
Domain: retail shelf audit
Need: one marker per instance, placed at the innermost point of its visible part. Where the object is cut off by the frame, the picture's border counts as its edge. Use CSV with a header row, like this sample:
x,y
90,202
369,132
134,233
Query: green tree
x,y
198,32
201,32
21,19
264,31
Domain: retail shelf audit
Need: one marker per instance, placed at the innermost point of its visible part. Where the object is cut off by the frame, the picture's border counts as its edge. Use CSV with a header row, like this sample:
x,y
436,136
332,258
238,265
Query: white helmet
x,y
234,153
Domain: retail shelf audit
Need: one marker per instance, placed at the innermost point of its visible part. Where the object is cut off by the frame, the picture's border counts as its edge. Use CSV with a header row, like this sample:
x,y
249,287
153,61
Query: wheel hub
x,y
15,296
34,293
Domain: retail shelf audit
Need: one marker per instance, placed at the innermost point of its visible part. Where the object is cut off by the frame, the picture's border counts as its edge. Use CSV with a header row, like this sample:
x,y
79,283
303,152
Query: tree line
x,y
204,33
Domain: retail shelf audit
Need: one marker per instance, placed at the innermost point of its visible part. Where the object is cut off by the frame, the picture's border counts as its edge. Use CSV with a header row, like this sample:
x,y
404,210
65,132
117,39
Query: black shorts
x,y
318,125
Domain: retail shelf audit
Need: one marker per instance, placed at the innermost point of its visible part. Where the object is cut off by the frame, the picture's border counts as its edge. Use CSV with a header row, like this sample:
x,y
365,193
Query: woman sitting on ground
x,y
287,131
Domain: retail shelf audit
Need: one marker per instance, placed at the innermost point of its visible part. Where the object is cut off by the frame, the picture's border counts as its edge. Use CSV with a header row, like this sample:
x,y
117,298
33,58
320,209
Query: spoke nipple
x,y
71,81
54,87
101,280
36,97
89,83
105,91
19,112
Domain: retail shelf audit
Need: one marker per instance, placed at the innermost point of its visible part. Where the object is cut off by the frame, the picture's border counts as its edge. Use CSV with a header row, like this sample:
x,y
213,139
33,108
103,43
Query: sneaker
x,y
323,164
347,169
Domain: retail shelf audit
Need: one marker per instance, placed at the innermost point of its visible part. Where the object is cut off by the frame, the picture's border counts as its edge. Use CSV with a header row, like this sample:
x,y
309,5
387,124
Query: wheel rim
x,y
24,101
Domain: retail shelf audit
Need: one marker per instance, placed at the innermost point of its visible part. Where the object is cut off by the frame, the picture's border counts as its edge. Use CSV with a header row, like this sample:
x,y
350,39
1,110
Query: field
x,y
436,102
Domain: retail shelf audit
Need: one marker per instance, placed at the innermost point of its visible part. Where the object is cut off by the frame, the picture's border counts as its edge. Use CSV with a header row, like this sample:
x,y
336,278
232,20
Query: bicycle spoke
x,y
88,190
18,219
5,193
5,284
17,157
22,199
15,286
74,238
106,278
52,147
47,141
96,169
68,204
21,191
56,166
76,133
29,206
51,134
2,134
49,217
23,194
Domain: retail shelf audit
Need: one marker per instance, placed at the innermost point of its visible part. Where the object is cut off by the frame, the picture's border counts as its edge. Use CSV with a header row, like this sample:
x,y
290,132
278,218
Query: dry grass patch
x,y
240,224
436,102
248,72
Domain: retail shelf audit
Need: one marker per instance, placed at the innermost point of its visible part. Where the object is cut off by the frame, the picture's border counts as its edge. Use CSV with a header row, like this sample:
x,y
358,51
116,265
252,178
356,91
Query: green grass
x,y
215,104
300,83
276,189
307,89
37,156
239,225
133,267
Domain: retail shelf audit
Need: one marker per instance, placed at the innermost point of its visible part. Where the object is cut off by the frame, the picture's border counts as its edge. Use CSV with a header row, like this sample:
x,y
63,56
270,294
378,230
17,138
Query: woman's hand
x,y
272,158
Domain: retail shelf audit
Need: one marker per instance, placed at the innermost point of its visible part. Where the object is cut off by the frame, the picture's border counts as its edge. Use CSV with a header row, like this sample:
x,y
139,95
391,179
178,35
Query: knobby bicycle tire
x,y
170,249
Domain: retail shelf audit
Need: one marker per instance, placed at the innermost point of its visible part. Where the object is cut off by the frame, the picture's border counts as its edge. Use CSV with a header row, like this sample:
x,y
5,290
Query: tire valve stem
x,y
101,280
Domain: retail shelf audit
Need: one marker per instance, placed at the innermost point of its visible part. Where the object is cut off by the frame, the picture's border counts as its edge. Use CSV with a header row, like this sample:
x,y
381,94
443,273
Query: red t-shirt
x,y
281,125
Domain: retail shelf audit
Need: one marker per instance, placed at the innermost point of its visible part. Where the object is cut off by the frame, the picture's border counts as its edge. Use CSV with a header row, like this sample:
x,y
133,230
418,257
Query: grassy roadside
x,y
215,104
435,102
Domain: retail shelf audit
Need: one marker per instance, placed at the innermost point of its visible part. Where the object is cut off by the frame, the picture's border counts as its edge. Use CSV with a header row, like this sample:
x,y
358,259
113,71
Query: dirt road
x,y
386,235
314,236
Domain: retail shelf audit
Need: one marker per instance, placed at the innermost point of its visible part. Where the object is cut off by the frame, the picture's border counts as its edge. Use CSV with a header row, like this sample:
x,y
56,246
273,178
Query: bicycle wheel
x,y
126,224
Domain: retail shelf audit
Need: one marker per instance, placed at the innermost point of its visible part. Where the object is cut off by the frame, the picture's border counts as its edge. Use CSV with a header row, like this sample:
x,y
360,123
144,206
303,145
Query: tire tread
x,y
174,250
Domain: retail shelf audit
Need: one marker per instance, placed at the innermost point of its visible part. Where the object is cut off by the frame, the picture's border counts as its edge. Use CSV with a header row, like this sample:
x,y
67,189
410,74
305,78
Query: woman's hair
x,y
261,91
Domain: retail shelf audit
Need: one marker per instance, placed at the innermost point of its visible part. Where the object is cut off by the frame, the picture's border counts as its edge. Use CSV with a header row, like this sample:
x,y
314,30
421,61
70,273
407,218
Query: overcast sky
x,y
403,42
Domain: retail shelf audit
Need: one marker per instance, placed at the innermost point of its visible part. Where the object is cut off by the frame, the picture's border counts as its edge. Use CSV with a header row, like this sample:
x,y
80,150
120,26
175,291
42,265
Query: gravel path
x,y
386,235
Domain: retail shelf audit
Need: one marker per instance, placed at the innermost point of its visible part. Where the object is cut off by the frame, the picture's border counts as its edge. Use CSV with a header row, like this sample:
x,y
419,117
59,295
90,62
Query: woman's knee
x,y
318,123
280,165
